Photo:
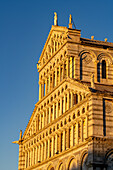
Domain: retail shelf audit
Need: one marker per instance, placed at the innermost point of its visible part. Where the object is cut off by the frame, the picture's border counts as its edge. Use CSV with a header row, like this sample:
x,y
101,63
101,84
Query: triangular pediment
x,y
55,40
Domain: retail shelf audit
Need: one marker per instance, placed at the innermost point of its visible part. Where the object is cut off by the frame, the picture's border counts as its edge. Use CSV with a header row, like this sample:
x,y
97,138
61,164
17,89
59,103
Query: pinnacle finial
x,y
92,37
55,19
20,134
70,21
105,39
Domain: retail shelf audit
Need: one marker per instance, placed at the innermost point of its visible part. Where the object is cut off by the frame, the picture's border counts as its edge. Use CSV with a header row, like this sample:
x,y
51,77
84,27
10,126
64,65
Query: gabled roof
x,y
56,33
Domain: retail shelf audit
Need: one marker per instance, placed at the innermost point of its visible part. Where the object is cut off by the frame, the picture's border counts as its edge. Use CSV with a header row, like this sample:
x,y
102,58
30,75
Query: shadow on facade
x,y
90,161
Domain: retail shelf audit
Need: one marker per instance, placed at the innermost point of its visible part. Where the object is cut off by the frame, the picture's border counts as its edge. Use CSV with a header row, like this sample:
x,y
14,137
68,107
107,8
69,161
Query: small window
x,y
104,69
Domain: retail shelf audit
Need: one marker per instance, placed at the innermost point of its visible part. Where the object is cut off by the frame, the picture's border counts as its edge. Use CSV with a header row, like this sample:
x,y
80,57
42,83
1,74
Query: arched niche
x,y
50,167
72,165
105,56
61,167
109,160
104,66
87,64
84,162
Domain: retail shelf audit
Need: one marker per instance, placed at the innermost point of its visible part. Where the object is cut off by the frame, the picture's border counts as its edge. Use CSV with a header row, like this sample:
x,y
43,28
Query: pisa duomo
x,y
71,127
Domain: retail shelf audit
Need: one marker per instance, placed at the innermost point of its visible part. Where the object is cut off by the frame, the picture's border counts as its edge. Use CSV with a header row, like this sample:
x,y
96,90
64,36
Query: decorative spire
x,y
20,134
55,19
70,21
20,139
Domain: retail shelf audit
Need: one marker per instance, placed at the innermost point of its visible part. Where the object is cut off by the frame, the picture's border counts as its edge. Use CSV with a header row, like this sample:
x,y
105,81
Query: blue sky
x,y
24,27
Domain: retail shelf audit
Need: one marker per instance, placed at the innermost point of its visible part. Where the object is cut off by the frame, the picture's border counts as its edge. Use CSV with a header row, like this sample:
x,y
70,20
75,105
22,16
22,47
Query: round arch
x,y
87,57
60,166
109,159
89,52
71,163
50,167
83,160
105,56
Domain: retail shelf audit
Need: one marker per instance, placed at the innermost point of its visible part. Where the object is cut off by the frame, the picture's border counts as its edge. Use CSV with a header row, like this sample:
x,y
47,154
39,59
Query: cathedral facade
x,y
71,127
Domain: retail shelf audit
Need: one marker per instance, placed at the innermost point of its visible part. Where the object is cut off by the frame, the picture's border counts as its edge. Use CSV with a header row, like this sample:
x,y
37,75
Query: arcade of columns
x,y
59,124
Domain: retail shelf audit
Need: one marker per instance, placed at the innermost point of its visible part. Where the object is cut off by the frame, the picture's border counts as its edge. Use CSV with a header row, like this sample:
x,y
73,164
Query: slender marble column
x,y
63,71
45,151
57,109
25,159
49,83
60,142
64,140
52,80
49,114
82,130
86,124
46,86
64,106
46,116
48,148
39,153
33,156
72,135
71,99
40,120
40,90
52,146
60,105
42,151
68,137
43,119
56,143
36,155
55,76
53,111
37,123
68,65
78,97
28,159
59,73
68,100
76,132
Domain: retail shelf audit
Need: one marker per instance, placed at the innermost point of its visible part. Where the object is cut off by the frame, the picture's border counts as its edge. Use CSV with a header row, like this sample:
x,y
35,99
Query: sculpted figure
x,y
55,19
70,19
92,81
